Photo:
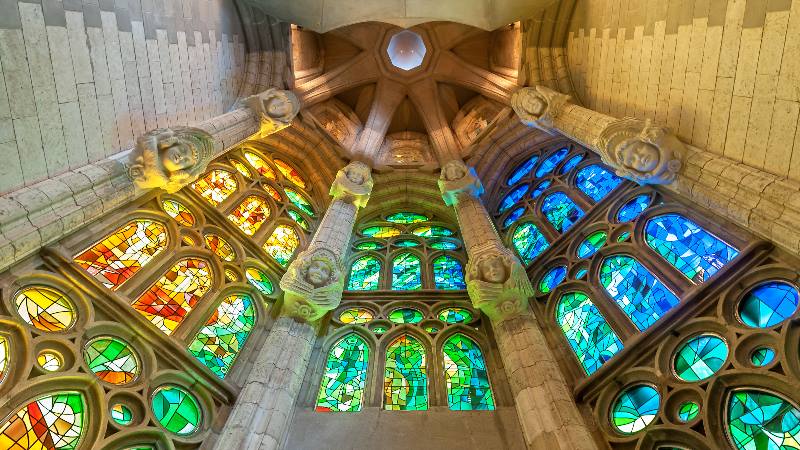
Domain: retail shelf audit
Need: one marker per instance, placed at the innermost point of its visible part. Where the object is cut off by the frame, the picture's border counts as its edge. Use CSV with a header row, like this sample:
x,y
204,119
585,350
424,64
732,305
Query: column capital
x,y
539,106
353,184
496,282
312,285
456,179
170,158
275,108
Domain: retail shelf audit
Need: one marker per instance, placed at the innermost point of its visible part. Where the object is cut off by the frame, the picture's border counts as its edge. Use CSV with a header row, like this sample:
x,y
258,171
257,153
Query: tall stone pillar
x,y
498,285
312,286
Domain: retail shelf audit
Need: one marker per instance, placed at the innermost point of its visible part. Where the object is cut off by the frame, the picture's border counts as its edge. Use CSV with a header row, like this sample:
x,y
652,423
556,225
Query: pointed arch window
x,y
365,274
406,272
596,182
586,330
219,342
345,376
282,244
688,247
5,356
250,214
561,211
119,256
529,242
448,273
171,298
216,186
260,165
405,382
54,421
467,379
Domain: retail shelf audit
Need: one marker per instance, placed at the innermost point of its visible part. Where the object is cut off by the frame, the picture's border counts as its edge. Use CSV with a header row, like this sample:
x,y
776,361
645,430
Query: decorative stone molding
x,y
353,184
474,119
313,285
338,120
406,150
275,108
170,158
456,178
539,106
497,283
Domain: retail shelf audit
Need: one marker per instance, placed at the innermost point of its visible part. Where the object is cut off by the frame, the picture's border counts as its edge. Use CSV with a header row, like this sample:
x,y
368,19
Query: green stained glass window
x,y
762,356
466,375
365,274
259,280
379,329
700,357
369,245
448,274
297,217
405,381
430,329
455,315
444,245
561,211
176,410
407,217
759,420
432,231
406,243
592,244
552,278
688,411
345,376
52,422
405,315
586,330
121,414
635,409
355,316
298,200
219,342
406,272
529,242
380,232
112,360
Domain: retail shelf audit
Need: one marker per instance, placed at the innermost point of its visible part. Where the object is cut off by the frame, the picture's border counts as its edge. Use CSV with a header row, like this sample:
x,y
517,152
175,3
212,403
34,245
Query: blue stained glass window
x,y
541,187
569,165
596,182
522,170
640,295
406,272
768,304
513,216
633,209
592,244
561,211
580,274
365,274
695,252
759,420
551,162
586,330
552,278
448,274
635,409
529,241
513,197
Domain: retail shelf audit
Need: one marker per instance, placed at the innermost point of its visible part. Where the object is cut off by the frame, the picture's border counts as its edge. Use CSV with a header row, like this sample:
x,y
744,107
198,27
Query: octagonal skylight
x,y
406,50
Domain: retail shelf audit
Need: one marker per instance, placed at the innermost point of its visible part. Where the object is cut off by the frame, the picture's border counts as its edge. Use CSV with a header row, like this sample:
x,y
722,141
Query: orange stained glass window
x,y
216,186
220,247
177,211
55,421
171,298
273,192
260,165
282,244
250,214
290,173
241,168
118,257
45,308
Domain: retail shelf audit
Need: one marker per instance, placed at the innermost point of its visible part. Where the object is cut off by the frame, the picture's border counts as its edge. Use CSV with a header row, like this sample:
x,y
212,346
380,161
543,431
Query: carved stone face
x,y
641,156
318,273
277,107
355,175
454,171
534,105
493,270
177,156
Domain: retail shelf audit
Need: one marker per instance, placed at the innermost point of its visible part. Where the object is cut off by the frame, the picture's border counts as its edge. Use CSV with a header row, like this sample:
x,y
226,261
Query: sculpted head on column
x,y
170,158
276,109
456,178
538,106
497,282
641,151
313,284
353,183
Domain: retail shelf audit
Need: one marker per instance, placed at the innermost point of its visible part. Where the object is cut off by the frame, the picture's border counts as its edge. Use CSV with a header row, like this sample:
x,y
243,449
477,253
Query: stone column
x,y
34,216
498,285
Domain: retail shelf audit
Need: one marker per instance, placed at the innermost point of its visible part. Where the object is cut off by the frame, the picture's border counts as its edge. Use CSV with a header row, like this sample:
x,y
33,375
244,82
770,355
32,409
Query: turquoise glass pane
x,y
406,315
551,162
406,273
692,250
512,198
758,420
432,231
219,342
552,278
640,295
405,243
623,237
513,216
365,274
580,274
762,356
443,245
561,211
635,409
541,187
299,201
405,218
768,304
586,330
700,357
466,376
529,242
369,245
448,274
522,170
688,411
571,164
596,182
345,376
455,315
592,244
633,209
405,381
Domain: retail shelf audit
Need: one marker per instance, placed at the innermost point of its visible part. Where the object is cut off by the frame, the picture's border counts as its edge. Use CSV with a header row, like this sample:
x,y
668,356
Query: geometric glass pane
x,y
512,198
635,409
260,165
406,315
297,217
443,245
272,192
259,280
640,295
432,231
53,422
298,200
117,257
177,211
513,216
552,278
241,168
405,217
406,243
355,316
551,162
365,274
282,244
455,315
541,187
121,414
45,309
220,247
112,360
219,342
768,304
633,209
592,244
529,242
689,248
700,357
688,411
290,173
466,375
5,356
345,376
216,186
596,182
762,356
522,170
369,245
758,420
448,273
176,410
405,381
561,211
380,232
171,298
250,214
586,330
406,272
569,165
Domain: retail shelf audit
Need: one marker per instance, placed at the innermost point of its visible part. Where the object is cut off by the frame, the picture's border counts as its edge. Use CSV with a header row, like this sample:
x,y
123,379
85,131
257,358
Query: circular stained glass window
x,y
177,211
551,162
762,356
633,209
112,360
49,360
700,357
443,245
176,410
369,245
406,243
541,187
759,420
380,232
513,216
45,308
455,315
552,278
259,280
121,414
405,315
635,409
688,411
355,316
592,244
768,304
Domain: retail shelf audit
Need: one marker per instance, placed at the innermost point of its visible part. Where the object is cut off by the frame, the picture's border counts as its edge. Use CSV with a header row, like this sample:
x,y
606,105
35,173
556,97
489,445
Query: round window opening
x,y
406,50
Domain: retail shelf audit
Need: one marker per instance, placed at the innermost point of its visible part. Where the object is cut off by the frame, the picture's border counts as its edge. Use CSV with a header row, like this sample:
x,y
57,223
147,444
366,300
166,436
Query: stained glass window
x,y
405,217
596,182
758,420
405,382
443,245
297,217
513,197
455,315
700,357
522,170
176,410
290,173
586,330
282,244
121,414
529,242
220,247
250,214
223,336
552,278
231,276
635,409
5,356
53,422
571,164
49,360
633,209
541,187
466,375
272,192
380,232
118,257
432,231
298,200
355,316
369,245
405,243
112,360
561,211
768,304
365,274
260,165
640,295
695,252
406,315
406,272
45,308
260,280
513,216
216,186
171,298
688,411
624,236
448,273
551,162
177,211
762,356
592,244
241,168
345,376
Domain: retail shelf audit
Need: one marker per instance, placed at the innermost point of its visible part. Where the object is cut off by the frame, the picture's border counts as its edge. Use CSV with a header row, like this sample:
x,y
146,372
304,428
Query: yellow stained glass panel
x,y
45,308
260,165
220,247
282,244
216,186
250,214
241,168
290,173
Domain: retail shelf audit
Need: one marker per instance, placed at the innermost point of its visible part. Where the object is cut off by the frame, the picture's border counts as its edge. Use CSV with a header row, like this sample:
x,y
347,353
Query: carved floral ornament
x,y
456,178
353,183
497,283
276,109
313,284
170,158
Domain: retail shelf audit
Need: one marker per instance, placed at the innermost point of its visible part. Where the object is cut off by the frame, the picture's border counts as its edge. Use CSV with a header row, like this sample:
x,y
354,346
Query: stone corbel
x,y
539,106
275,108
170,158
640,151
353,184
456,179
313,285
497,283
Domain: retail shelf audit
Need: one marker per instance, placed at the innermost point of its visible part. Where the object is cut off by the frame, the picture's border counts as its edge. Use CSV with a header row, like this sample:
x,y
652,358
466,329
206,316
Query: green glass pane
x,y
219,342
112,360
380,232
121,414
762,356
455,315
444,245
369,245
406,243
700,357
466,376
405,315
355,316
592,244
405,381
52,422
623,237
297,217
448,274
432,231
406,273
407,217
379,330
259,280
586,330
298,200
176,410
345,376
431,329
688,411
365,274
758,420
635,409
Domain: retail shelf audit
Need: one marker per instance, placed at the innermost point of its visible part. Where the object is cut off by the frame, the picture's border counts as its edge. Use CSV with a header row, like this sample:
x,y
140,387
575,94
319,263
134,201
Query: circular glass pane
x,y
176,410
355,316
455,315
688,411
121,414
552,278
405,315
592,244
45,308
49,360
633,209
768,304
112,360
762,356
700,357
635,409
